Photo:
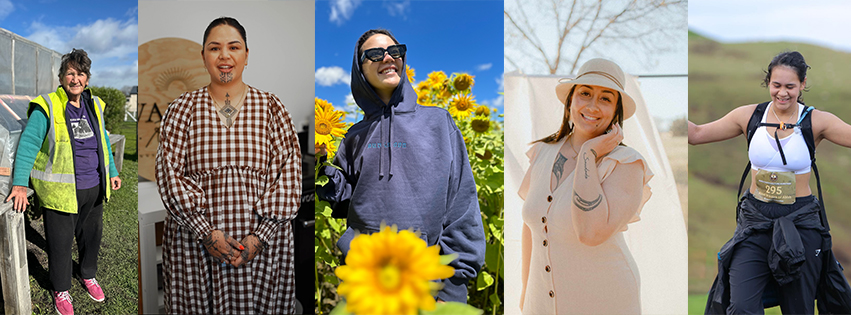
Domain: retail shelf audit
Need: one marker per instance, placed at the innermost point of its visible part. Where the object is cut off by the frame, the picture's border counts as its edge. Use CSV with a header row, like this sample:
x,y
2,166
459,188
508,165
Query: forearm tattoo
x,y
226,77
585,157
558,167
586,205
595,153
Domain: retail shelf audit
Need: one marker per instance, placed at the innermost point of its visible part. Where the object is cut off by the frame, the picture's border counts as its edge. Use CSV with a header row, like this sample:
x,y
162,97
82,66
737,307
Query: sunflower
x,y
391,273
329,122
480,124
423,98
318,102
410,73
483,111
423,86
463,82
462,105
330,148
436,80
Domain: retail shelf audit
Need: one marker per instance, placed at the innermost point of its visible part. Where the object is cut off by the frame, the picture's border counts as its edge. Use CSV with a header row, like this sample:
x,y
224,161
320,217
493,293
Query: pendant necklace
x,y
774,110
228,111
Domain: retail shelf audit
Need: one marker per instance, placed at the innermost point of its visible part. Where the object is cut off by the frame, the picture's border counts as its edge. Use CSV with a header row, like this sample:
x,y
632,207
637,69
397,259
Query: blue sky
x,y
823,23
107,30
452,36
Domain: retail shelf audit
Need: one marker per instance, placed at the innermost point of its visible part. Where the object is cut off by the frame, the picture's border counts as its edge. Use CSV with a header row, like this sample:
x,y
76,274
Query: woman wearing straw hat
x,y
581,190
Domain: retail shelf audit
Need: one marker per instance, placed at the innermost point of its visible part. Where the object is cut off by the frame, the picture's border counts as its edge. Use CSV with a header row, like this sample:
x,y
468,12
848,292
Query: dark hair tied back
x,y
791,59
225,21
369,34
77,59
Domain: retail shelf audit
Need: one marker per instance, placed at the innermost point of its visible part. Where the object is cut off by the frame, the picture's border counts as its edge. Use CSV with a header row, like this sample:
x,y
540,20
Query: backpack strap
x,y
806,124
756,119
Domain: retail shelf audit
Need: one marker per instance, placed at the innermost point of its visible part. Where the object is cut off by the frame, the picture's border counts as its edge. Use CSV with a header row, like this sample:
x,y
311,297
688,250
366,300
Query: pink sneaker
x,y
94,290
63,300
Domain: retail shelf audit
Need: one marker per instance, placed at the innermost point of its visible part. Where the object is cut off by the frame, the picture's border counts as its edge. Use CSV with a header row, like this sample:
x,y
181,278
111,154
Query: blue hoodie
x,y
406,164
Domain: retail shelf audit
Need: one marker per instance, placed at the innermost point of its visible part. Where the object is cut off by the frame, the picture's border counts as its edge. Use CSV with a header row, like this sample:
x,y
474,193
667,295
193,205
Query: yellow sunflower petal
x,y
390,272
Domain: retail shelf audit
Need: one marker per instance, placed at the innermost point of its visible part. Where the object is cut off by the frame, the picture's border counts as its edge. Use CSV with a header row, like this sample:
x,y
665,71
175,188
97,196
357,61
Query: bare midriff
x,y
802,184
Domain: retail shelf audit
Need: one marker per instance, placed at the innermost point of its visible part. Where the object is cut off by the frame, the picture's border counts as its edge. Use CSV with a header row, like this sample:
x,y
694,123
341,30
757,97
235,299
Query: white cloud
x,y
111,45
351,106
341,10
497,102
484,67
328,76
107,38
132,12
115,76
400,8
6,8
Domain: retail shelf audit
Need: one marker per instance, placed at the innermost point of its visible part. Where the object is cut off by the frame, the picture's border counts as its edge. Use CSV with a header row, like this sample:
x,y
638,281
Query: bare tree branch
x,y
554,37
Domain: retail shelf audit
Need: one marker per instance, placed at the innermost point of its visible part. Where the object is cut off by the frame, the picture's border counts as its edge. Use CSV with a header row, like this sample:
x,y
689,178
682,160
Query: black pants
x,y
749,272
61,228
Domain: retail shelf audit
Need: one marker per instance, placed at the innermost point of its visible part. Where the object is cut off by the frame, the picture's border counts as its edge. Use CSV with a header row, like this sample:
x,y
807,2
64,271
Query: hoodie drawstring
x,y
384,164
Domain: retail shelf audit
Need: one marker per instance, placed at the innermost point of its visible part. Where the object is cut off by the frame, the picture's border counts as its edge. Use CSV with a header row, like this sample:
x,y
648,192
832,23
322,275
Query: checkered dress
x,y
242,180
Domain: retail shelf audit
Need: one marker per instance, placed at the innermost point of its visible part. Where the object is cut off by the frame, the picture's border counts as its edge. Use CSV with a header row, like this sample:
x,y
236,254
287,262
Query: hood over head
x,y
404,99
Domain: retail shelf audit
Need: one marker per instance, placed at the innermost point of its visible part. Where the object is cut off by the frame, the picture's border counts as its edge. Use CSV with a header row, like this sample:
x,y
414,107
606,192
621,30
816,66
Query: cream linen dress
x,y
566,276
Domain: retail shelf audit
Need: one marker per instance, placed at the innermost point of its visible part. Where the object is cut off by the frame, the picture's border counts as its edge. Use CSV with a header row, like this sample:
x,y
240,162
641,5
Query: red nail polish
x,y
241,248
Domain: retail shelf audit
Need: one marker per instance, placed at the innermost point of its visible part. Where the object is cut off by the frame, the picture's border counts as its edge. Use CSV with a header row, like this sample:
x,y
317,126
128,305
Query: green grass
x,y
117,262
697,304
723,77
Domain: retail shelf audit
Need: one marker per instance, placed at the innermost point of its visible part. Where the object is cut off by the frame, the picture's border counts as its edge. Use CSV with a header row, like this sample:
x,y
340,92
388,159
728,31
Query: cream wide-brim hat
x,y
599,72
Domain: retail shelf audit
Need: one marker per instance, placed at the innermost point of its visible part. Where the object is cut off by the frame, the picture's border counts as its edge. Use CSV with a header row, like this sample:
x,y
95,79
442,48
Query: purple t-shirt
x,y
85,146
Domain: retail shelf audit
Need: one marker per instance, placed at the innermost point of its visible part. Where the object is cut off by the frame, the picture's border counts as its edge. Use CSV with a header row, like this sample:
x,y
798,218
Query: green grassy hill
x,y
723,77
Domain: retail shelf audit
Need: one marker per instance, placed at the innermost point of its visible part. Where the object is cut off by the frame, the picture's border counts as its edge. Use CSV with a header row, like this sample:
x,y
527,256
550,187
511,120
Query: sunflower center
x,y
462,105
323,128
390,277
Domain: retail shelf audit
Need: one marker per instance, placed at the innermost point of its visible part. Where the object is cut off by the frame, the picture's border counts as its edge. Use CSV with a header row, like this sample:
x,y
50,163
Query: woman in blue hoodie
x,y
405,164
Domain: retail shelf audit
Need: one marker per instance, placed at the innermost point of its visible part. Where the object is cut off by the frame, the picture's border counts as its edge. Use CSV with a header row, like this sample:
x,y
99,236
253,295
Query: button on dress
x,y
566,276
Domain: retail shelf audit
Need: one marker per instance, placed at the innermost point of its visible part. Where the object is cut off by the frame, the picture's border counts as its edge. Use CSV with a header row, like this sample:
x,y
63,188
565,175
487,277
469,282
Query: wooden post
x,y
118,153
13,261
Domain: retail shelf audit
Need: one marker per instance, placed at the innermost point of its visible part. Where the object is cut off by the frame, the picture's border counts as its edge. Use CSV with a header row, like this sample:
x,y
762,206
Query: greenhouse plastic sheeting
x,y
13,119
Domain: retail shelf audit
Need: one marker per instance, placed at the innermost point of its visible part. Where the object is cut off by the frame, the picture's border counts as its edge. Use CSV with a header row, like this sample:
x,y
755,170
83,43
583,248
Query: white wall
x,y
280,37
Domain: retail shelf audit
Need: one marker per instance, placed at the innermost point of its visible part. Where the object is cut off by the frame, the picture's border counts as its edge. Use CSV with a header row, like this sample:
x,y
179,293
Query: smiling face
x,y
384,75
74,82
785,87
225,55
592,109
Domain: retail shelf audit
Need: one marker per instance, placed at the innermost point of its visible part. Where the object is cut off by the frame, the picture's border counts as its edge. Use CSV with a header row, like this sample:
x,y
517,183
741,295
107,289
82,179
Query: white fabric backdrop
x,y
658,242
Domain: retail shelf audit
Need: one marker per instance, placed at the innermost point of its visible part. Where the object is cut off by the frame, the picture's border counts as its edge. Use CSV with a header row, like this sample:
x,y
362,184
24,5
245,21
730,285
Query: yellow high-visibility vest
x,y
53,172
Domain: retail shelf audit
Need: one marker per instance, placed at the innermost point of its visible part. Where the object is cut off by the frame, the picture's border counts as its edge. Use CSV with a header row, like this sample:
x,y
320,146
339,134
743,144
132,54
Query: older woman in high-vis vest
x,y
64,152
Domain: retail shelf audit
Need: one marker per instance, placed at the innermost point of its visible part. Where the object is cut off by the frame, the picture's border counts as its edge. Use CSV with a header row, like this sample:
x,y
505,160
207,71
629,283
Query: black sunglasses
x,y
377,54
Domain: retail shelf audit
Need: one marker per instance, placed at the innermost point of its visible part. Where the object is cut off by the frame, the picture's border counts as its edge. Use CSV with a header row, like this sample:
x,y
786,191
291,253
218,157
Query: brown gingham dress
x,y
241,180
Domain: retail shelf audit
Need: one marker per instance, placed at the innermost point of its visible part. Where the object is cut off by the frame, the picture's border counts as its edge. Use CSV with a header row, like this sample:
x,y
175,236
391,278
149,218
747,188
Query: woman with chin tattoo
x,y
229,173
780,253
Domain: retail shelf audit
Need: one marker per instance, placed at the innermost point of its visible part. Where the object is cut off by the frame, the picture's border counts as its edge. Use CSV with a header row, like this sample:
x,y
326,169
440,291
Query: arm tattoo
x,y
558,167
595,153
586,205
585,157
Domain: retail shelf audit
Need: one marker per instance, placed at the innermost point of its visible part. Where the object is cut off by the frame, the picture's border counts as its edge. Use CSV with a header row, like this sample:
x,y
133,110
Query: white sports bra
x,y
764,154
